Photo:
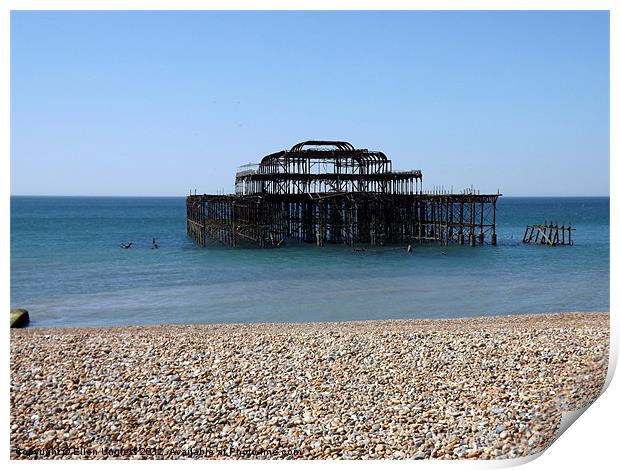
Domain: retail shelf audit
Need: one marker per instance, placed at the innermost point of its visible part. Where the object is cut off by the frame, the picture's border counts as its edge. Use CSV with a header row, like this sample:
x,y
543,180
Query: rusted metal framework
x,y
329,192
325,167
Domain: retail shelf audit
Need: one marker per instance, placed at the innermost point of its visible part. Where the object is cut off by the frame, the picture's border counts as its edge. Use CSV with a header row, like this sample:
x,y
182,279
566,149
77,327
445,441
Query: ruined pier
x,y
330,192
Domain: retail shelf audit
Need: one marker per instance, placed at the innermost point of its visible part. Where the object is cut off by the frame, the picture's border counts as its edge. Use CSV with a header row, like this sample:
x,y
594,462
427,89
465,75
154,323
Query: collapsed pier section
x,y
346,218
330,192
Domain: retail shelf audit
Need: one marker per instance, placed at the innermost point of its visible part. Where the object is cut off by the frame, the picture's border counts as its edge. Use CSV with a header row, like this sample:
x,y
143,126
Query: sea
x,y
68,269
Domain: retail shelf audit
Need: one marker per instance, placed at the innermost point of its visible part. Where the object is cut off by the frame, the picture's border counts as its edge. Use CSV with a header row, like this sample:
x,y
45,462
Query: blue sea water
x,y
67,269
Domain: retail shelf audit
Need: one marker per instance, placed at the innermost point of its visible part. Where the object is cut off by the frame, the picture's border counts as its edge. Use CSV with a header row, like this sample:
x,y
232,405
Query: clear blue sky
x,y
156,103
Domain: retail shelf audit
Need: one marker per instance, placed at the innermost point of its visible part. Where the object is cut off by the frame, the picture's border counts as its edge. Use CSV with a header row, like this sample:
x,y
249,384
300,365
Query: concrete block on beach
x,y
19,318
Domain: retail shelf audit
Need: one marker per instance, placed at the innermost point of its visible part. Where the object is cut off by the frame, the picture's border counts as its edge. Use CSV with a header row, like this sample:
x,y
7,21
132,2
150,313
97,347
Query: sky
x,y
164,103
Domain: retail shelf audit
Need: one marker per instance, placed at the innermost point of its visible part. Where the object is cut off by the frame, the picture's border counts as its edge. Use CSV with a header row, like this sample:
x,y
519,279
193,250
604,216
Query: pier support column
x,y
494,236
472,239
461,238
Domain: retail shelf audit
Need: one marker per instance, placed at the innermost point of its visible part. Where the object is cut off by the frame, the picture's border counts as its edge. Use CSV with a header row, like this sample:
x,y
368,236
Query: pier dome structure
x,y
322,166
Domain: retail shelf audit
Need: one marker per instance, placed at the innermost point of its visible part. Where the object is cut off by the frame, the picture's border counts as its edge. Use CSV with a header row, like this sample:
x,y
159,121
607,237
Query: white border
x,y
592,443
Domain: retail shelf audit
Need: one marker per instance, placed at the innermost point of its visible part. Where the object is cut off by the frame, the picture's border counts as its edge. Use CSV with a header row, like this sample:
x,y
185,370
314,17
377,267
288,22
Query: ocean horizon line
x,y
182,196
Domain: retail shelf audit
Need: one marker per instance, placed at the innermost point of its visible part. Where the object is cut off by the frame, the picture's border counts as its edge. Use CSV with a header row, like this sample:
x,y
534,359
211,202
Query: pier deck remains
x,y
549,234
330,192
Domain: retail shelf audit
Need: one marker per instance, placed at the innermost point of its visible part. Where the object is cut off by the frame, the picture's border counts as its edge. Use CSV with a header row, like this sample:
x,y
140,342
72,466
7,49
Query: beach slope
x,y
483,387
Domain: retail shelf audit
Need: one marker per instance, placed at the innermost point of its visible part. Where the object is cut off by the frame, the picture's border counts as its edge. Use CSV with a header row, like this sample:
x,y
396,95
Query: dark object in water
x,y
154,246
444,253
126,246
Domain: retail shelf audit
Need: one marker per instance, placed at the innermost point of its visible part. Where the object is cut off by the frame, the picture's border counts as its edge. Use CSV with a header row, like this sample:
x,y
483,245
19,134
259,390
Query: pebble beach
x,y
472,388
